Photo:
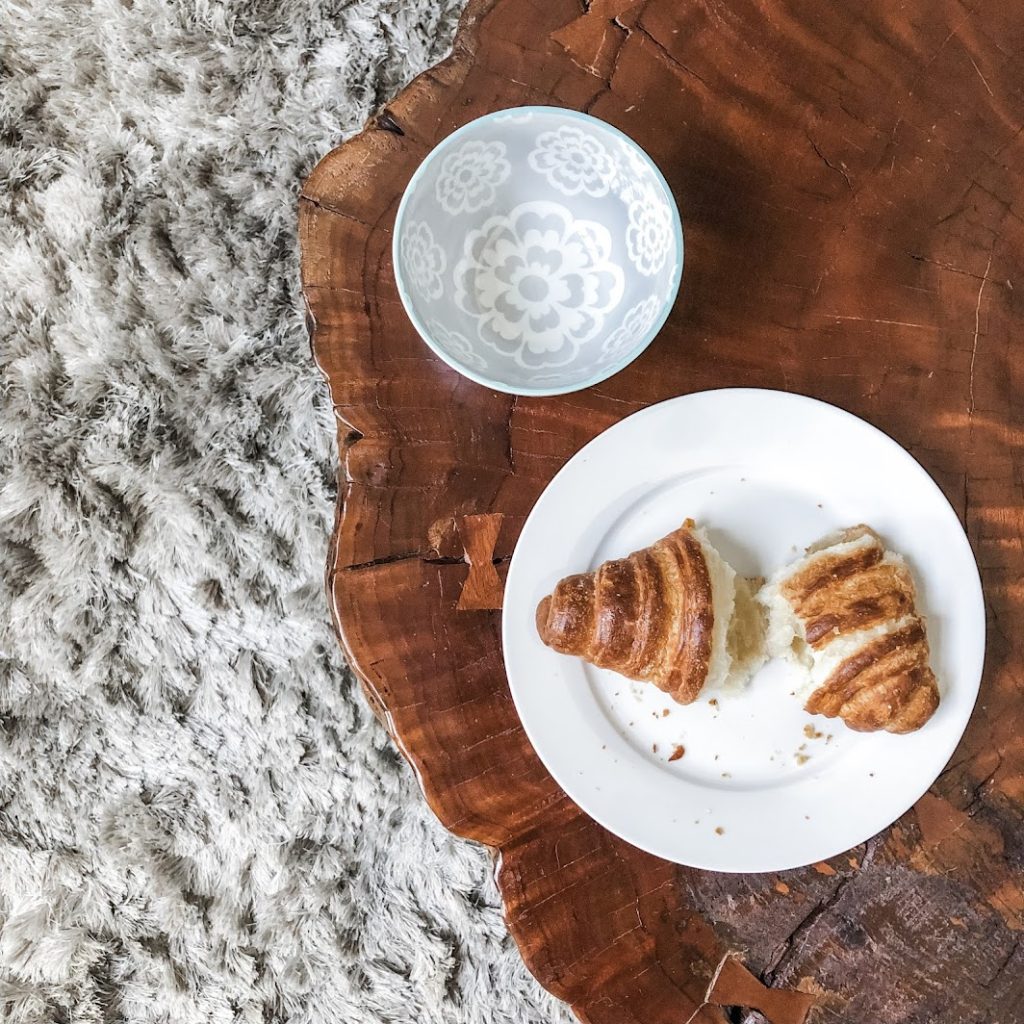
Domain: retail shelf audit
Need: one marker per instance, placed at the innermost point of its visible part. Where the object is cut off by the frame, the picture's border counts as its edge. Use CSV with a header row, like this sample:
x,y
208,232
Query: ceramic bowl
x,y
538,250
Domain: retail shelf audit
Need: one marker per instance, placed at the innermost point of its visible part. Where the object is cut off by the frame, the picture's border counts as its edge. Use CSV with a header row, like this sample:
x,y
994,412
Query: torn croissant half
x,y
674,614
846,613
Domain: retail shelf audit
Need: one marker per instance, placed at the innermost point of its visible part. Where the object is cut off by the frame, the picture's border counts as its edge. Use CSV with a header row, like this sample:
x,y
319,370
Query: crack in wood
x,y
375,563
976,790
778,962
1013,138
618,23
511,453
944,266
977,330
1000,970
789,948
334,211
669,57
592,102
828,163
423,556
386,122
879,320
573,38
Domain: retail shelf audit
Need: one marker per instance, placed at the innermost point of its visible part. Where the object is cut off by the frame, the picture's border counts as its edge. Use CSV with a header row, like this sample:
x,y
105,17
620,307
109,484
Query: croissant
x,y
673,614
846,613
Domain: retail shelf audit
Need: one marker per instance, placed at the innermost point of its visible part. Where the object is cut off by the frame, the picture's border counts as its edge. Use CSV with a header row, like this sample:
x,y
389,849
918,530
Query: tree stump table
x,y
850,180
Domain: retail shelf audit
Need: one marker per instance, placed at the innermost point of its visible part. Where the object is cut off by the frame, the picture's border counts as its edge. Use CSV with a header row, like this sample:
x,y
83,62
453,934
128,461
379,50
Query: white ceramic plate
x,y
767,473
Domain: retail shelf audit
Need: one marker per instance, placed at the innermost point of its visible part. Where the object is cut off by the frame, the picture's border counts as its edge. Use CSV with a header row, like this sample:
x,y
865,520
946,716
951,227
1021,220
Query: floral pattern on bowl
x,y
649,235
573,161
537,250
458,346
538,283
634,327
471,175
425,259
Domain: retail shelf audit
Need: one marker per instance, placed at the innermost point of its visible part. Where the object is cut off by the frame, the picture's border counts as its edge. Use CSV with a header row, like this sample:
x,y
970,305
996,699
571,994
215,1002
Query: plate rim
x,y
800,399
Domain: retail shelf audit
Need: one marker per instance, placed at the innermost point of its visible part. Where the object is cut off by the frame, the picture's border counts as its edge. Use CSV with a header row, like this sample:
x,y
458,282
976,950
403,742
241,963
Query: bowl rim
x,y
483,379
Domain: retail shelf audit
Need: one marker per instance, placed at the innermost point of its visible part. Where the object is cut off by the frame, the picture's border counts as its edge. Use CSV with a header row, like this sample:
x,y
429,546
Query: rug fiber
x,y
199,818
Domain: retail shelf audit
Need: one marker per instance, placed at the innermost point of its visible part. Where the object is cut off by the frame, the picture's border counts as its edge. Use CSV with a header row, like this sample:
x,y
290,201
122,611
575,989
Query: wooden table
x,y
850,179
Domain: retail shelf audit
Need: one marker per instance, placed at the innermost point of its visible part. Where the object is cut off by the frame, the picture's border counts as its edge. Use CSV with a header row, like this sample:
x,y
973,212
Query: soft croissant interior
x,y
737,638
786,637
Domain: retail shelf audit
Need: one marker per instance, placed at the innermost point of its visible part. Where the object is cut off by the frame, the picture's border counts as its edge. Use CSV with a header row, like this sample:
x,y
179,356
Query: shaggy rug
x,y
199,818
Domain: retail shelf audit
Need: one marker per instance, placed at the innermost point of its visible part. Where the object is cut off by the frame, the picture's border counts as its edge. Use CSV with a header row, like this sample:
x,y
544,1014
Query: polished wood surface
x,y
850,180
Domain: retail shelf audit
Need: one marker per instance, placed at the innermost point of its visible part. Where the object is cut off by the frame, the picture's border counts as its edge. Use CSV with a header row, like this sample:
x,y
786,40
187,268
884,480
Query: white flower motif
x,y
458,346
538,283
470,176
631,165
633,329
515,116
573,162
649,234
424,259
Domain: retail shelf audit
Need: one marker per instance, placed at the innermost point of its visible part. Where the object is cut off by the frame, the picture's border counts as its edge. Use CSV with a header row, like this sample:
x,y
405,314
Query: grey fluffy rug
x,y
199,819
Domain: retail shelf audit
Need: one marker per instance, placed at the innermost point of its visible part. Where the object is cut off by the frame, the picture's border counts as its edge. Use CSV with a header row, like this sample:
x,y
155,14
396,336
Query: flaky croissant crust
x,y
648,616
887,683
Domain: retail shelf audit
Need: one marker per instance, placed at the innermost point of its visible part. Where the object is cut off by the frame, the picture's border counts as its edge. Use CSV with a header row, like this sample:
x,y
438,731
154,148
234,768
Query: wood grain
x,y
850,177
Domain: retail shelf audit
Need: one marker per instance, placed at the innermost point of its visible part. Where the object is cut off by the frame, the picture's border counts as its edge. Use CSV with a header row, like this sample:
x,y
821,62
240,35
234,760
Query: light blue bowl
x,y
538,250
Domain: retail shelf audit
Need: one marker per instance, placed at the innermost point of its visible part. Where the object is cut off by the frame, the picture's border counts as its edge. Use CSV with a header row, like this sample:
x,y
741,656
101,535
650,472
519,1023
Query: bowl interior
x,y
538,249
